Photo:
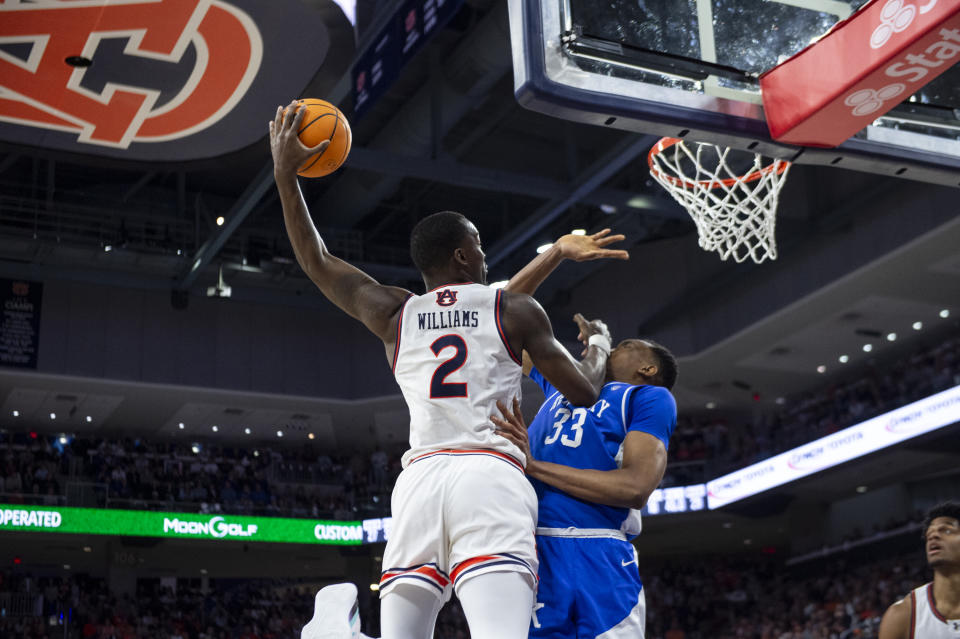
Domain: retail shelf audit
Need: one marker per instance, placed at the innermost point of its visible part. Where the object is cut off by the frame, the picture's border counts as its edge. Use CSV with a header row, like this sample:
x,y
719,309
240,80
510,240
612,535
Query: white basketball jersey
x,y
453,363
926,621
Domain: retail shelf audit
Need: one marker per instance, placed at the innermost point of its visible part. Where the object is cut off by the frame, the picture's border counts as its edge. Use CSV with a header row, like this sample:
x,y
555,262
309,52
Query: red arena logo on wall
x,y
162,80
229,50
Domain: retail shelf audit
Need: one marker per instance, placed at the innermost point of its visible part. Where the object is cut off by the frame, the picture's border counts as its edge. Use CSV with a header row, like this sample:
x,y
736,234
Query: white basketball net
x,y
735,212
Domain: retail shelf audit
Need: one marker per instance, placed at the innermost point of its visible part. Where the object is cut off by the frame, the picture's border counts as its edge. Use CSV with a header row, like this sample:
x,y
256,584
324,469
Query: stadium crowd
x,y
739,598
703,447
743,597
302,481
136,474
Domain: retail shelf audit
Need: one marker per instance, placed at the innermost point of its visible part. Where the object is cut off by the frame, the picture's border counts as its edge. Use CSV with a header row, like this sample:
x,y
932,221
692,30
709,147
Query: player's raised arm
x,y
579,248
358,294
528,325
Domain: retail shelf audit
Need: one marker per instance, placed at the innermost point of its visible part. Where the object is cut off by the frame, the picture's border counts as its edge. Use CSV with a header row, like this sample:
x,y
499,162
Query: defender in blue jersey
x,y
593,469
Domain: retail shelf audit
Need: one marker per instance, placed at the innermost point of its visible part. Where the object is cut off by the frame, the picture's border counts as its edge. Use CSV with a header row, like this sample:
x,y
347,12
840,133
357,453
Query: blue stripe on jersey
x,y
591,438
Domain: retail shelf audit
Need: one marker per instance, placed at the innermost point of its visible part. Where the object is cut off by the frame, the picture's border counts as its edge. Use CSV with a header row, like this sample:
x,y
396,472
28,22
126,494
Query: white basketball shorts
x,y
458,514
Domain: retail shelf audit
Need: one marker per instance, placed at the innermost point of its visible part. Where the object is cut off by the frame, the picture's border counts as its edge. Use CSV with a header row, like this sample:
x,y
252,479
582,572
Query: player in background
x,y
593,469
932,611
463,512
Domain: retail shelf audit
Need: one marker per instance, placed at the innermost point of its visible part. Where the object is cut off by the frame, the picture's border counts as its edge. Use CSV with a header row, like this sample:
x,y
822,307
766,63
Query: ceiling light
x,y
867,348
945,313
711,405
220,220
780,401
747,542
821,368
609,209
66,566
309,435
727,524
16,413
63,439
279,433
891,337
861,489
180,425
89,419
87,549
196,449
499,284
53,415
374,587
246,431
107,248
203,571
214,428
580,231
843,359
256,453
640,202
917,326
543,248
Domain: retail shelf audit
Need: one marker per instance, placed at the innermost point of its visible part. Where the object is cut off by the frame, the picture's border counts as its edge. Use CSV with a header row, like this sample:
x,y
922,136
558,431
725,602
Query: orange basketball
x,y
323,121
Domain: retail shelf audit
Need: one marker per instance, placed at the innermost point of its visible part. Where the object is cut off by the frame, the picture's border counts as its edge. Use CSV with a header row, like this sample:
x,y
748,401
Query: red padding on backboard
x,y
864,67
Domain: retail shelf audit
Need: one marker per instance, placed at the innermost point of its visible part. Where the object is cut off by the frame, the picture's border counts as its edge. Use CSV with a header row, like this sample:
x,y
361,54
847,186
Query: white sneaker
x,y
336,614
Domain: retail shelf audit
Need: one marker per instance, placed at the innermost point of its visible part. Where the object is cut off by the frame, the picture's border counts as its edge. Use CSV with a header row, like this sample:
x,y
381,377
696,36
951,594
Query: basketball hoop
x,y
735,212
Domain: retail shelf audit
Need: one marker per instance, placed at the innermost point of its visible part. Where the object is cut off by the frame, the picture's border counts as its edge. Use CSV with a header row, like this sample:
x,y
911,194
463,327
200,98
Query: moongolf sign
x,y
137,523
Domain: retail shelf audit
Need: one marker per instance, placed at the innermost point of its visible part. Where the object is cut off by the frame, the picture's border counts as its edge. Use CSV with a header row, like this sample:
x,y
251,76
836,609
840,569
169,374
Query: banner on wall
x,y
906,422
20,322
138,523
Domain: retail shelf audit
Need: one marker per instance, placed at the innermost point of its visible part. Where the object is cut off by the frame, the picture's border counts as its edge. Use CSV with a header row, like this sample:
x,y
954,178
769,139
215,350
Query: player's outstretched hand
x,y
513,427
289,153
588,328
581,248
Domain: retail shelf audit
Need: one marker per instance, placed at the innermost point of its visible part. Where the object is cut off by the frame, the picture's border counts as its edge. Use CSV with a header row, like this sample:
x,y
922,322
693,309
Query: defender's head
x,y
941,535
643,361
447,245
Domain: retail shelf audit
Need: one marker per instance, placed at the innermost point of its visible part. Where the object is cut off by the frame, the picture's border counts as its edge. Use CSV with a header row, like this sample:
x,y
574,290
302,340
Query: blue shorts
x,y
589,587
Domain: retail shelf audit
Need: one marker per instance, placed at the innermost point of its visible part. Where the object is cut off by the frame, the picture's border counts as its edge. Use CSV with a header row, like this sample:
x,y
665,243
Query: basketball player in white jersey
x,y
932,611
463,511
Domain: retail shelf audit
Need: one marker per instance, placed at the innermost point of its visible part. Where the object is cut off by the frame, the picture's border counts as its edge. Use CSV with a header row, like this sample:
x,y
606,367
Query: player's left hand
x,y
512,426
581,248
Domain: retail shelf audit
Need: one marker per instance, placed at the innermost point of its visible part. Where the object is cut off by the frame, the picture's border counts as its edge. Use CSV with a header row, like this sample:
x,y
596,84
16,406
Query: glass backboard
x,y
690,69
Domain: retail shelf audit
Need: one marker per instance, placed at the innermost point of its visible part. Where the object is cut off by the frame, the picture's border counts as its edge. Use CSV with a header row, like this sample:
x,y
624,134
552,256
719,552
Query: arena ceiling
x,y
448,134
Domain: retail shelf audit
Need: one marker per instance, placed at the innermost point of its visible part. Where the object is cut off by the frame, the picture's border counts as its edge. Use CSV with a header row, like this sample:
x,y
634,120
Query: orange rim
x,y
666,143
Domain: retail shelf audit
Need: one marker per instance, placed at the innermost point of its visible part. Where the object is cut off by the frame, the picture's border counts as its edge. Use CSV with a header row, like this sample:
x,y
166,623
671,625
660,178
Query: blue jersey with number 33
x,y
592,438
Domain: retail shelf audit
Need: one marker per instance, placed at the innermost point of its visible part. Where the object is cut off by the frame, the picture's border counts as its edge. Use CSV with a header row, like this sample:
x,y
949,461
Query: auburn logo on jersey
x,y
446,297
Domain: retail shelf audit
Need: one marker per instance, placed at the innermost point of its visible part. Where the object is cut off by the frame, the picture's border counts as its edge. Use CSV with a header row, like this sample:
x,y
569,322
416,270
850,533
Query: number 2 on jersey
x,y
439,388
563,414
